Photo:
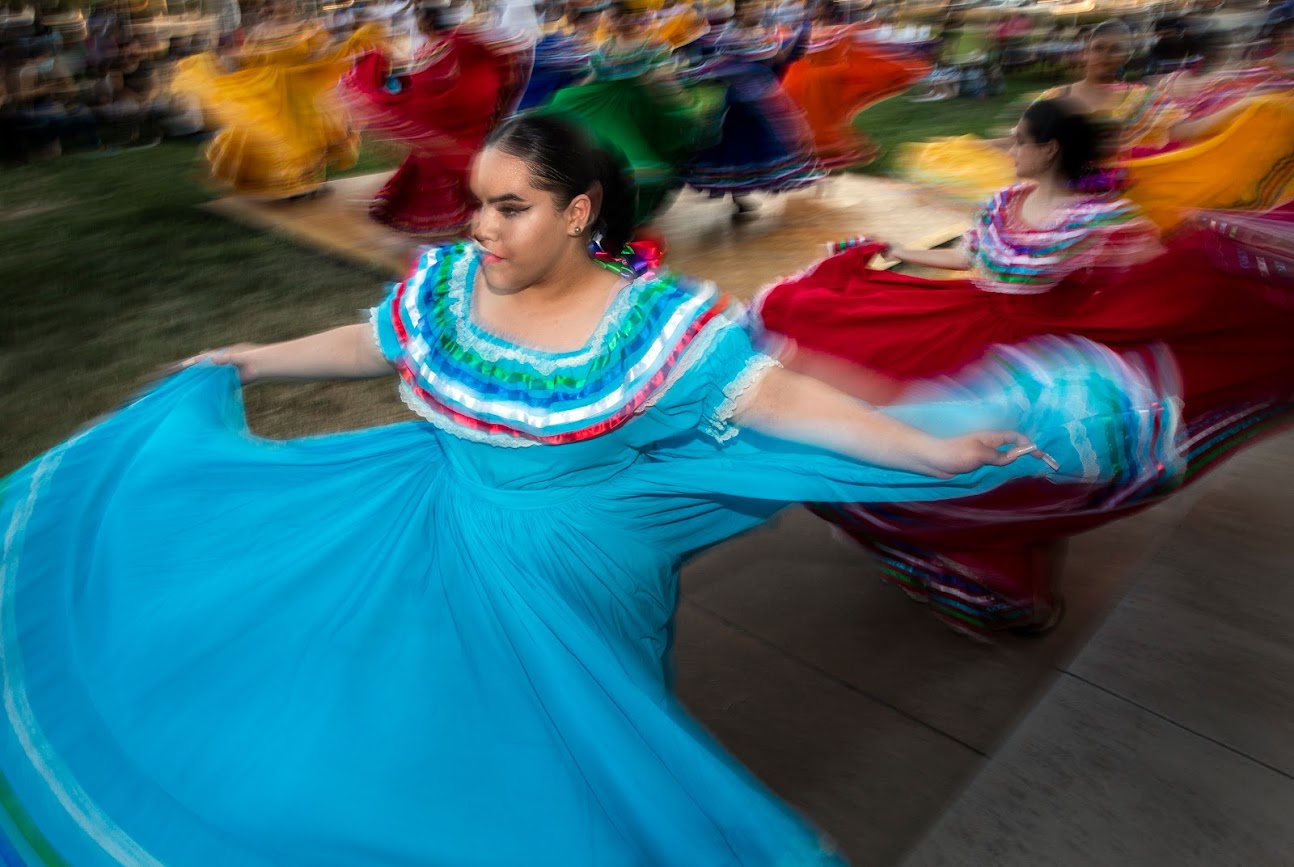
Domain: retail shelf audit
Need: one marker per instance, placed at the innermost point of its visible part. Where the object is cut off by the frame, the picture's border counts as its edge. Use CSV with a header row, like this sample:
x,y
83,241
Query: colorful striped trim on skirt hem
x,y
969,606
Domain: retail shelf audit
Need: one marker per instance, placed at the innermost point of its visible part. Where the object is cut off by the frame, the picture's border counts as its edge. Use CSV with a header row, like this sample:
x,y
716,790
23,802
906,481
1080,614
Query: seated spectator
x,y
132,106
47,105
11,126
942,83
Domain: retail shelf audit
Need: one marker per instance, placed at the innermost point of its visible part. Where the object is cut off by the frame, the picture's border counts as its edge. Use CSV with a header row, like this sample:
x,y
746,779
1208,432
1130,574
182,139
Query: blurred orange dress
x,y
840,75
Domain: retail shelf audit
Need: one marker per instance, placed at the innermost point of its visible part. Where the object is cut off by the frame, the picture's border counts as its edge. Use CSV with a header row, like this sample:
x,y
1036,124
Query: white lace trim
x,y
374,323
45,762
720,425
462,432
695,352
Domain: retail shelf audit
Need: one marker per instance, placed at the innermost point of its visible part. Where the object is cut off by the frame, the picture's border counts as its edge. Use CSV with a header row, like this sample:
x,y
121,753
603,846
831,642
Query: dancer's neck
x,y
1051,191
1051,187
1098,84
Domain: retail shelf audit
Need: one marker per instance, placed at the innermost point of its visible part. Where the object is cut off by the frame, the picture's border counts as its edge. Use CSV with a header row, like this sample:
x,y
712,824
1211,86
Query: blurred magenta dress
x,y
443,641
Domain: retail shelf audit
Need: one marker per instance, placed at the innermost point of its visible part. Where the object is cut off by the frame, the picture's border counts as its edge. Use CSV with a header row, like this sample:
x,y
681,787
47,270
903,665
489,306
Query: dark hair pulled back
x,y
564,162
1078,140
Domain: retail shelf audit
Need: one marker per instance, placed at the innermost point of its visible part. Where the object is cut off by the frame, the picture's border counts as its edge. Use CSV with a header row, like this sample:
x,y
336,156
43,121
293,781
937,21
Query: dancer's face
x,y
1032,160
525,235
1106,55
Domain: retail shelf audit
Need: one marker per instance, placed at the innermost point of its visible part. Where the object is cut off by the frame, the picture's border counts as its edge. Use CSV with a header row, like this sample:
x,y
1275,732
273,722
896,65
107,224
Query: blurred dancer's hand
x,y
965,454
239,356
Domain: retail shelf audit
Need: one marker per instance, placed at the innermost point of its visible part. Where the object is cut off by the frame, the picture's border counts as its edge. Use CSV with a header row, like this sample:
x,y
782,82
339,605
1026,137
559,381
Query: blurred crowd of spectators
x,y
978,47
93,80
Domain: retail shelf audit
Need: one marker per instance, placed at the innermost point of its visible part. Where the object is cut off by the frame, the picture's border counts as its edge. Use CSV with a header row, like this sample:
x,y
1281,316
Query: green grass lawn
x,y
900,120
109,269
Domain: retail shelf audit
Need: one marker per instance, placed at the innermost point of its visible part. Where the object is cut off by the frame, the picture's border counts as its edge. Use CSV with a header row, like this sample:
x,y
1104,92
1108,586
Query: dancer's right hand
x,y
240,356
965,454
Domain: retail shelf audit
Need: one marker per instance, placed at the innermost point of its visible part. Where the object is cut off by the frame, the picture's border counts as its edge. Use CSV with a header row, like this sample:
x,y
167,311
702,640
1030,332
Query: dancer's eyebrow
x,y
506,197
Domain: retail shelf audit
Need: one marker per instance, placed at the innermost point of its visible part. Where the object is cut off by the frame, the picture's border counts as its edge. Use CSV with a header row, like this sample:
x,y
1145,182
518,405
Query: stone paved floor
x,y
1169,738
704,241
1156,727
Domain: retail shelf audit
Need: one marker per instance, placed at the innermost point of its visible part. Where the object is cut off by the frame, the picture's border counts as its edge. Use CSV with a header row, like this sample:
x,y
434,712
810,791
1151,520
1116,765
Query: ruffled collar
x,y
1010,256
1097,208
481,386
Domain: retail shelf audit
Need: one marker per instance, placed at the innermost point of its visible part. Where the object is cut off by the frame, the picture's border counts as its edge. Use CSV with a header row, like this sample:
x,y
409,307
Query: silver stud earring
x,y
579,229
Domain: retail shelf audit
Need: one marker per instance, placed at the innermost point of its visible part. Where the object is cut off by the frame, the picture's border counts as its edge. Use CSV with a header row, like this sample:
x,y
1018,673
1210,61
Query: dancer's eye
x,y
512,212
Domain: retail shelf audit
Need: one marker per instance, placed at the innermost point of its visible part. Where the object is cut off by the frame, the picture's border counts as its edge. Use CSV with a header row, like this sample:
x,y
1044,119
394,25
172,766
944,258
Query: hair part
x,y
565,163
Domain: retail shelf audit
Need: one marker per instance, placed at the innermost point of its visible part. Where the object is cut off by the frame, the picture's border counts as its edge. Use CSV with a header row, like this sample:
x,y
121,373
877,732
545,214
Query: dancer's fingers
x,y
1028,448
999,439
1020,446
216,356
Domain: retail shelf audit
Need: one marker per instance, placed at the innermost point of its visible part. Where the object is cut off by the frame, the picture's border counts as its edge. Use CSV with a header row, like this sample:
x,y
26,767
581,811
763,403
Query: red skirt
x,y
426,195
984,563
442,114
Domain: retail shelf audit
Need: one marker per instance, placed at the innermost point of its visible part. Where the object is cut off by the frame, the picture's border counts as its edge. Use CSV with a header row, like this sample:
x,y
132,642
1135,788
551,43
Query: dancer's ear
x,y
582,212
1050,153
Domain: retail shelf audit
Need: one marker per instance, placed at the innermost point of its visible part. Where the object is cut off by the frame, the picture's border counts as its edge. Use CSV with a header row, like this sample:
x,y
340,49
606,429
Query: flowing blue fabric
x,y
403,647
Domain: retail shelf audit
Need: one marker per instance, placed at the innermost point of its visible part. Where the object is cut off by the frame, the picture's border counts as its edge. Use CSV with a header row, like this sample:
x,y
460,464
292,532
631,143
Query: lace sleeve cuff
x,y
719,425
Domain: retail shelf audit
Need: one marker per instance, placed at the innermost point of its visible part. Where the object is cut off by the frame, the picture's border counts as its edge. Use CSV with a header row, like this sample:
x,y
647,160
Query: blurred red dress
x,y
442,110
1217,305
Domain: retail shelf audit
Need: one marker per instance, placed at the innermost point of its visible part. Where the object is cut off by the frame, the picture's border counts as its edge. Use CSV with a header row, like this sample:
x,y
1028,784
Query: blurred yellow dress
x,y
1248,164
676,26
281,127
680,25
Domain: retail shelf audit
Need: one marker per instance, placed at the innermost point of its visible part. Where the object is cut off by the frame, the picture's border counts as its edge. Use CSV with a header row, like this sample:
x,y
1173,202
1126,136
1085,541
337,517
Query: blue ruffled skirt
x,y
217,649
765,143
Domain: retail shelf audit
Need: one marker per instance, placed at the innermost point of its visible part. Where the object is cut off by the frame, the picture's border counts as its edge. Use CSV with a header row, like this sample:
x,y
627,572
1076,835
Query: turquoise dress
x,y
441,642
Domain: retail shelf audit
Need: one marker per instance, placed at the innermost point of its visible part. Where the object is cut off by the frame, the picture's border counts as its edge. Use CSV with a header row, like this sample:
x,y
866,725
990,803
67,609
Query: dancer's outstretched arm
x,y
794,407
955,259
348,352
952,259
